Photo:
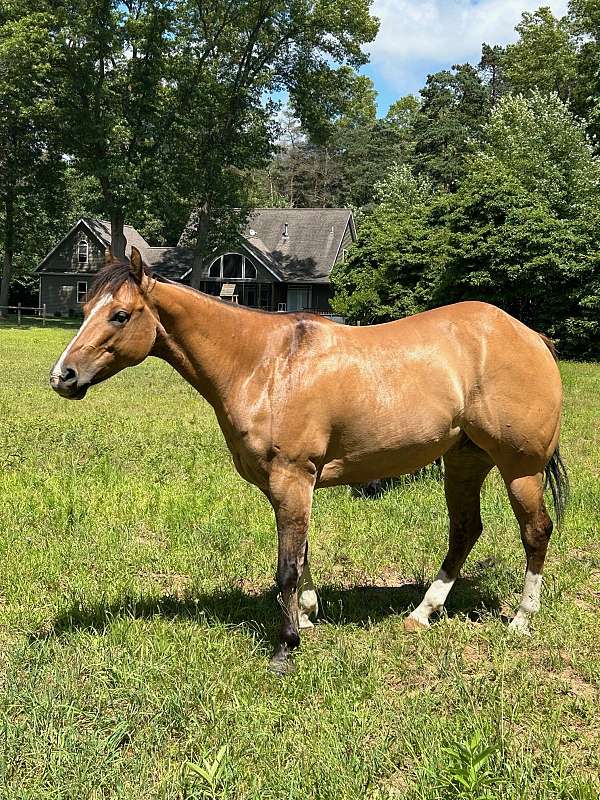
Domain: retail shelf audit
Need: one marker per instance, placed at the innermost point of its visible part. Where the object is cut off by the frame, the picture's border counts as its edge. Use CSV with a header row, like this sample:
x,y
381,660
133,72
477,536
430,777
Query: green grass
x,y
137,614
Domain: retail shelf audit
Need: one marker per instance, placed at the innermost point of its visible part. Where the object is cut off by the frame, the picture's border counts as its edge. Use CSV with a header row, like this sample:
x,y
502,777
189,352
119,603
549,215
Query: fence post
x,y
44,315
19,314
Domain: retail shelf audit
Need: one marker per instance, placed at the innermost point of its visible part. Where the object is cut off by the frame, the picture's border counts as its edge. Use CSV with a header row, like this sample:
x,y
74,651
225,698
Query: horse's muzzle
x,y
66,384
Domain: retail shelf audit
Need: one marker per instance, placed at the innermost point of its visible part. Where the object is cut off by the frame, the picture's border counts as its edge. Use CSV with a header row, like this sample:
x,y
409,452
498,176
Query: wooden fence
x,y
21,311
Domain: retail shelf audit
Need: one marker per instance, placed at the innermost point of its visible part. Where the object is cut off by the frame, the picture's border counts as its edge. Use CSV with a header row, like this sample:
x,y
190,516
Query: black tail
x,y
558,481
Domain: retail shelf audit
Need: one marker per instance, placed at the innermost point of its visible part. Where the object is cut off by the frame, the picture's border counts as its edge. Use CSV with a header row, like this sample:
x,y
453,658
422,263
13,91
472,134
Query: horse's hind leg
x,y
527,499
465,469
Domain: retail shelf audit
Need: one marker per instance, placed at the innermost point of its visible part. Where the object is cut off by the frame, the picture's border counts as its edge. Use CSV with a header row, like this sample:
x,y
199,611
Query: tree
x,y
519,231
584,17
539,140
116,94
30,169
448,124
521,228
366,151
231,55
492,69
544,57
390,271
343,169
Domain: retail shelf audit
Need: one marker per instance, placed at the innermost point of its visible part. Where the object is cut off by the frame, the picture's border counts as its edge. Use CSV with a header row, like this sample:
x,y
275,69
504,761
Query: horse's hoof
x,y
520,627
281,666
304,623
412,625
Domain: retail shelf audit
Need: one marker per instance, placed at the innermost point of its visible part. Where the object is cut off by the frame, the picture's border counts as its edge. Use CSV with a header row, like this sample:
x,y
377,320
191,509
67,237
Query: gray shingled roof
x,y
307,253
102,230
170,262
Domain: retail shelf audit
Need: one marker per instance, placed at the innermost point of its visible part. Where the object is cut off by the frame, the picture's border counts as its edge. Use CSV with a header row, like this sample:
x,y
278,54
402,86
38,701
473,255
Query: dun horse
x,y
306,403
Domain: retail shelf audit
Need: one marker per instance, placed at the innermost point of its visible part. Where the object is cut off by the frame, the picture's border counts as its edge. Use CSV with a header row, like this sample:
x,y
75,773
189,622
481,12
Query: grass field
x,y
137,613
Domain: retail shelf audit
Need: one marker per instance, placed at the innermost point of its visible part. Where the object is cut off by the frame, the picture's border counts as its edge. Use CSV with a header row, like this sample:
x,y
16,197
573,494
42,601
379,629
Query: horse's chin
x,y
80,393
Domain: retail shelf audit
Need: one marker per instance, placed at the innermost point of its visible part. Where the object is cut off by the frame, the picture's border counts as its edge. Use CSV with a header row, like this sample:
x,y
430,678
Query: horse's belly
x,y
404,458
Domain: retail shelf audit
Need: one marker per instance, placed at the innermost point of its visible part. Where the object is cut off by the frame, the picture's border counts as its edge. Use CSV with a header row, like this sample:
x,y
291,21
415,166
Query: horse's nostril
x,y
68,376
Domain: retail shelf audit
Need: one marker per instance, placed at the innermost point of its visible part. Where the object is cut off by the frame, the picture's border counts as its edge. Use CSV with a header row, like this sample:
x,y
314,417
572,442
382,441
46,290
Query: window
x,y
82,251
82,292
232,266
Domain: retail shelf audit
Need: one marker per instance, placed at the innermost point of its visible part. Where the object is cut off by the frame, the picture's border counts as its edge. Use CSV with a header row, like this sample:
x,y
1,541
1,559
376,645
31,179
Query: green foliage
x,y
343,170
468,774
492,69
449,123
28,166
544,57
584,17
519,232
389,272
115,94
521,226
207,777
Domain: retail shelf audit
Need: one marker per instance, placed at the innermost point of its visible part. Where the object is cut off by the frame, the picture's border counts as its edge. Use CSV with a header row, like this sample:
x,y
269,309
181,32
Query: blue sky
x,y
417,37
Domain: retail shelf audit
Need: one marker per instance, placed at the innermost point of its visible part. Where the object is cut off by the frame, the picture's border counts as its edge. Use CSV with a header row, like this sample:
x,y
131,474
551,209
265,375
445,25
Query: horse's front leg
x,y
290,492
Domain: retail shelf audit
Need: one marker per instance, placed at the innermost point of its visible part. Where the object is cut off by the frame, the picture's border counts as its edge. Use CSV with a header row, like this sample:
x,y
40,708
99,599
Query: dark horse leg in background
x,y
465,469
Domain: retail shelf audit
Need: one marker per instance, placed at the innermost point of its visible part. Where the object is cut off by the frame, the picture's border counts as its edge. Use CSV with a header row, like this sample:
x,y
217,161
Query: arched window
x,y
82,251
232,266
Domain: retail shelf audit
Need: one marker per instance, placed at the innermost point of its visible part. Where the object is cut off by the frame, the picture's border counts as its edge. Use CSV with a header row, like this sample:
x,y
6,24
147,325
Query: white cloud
x,y
417,33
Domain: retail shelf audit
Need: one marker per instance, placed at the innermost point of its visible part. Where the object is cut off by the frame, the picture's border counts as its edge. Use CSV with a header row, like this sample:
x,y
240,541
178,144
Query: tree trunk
x,y
9,245
200,246
118,240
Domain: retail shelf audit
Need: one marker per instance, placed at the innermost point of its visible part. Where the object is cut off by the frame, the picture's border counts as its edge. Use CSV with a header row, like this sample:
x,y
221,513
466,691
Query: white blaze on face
x,y
57,368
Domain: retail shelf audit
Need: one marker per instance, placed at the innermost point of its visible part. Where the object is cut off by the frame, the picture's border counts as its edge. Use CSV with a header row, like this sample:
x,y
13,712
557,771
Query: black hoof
x,y
282,662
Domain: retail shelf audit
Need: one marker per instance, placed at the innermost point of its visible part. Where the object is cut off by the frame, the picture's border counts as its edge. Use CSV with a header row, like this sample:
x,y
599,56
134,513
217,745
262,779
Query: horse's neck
x,y
209,342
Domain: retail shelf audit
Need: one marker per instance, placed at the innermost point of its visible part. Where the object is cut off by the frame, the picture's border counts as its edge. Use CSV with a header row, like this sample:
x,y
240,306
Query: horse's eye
x,y
121,317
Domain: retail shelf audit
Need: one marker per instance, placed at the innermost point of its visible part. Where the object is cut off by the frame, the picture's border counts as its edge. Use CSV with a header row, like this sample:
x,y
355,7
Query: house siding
x,y
347,242
59,293
65,260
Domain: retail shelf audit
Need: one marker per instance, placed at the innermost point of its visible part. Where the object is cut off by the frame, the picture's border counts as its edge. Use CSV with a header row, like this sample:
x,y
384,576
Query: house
x,y
281,261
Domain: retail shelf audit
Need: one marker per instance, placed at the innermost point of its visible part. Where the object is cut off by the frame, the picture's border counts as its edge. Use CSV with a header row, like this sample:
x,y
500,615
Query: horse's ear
x,y
137,265
108,256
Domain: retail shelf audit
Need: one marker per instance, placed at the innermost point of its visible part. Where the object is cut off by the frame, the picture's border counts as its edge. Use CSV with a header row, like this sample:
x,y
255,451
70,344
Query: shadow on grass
x,y
260,614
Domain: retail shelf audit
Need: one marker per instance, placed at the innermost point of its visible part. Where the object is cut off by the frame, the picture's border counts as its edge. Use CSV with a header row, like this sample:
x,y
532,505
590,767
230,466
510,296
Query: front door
x,y
298,298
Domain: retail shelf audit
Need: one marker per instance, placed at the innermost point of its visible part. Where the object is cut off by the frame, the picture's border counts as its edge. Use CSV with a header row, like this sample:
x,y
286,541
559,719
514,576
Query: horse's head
x,y
119,329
